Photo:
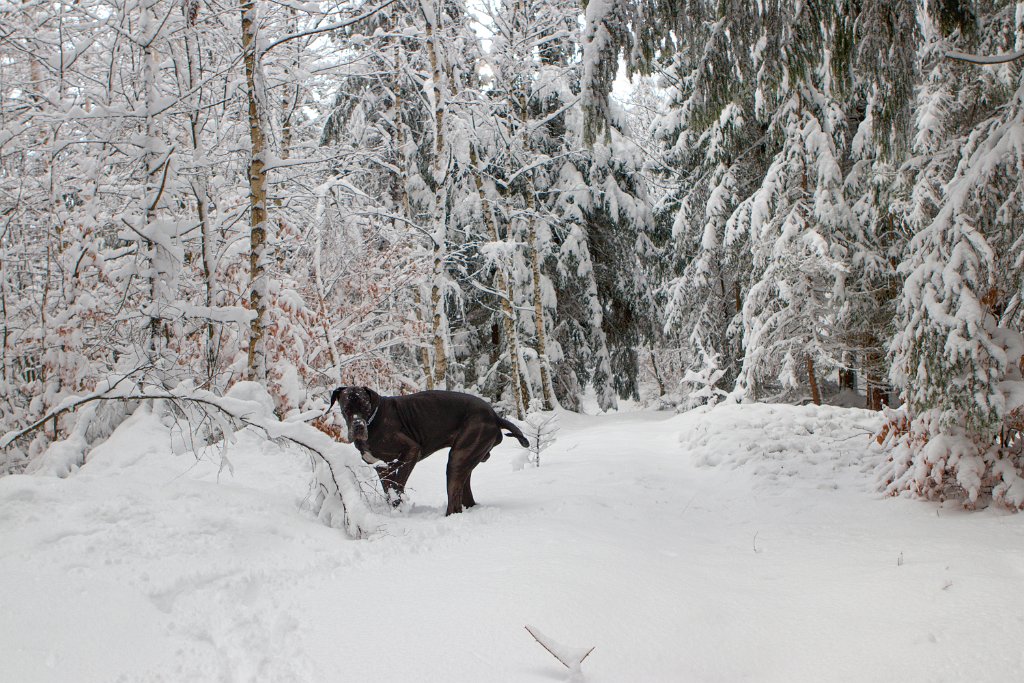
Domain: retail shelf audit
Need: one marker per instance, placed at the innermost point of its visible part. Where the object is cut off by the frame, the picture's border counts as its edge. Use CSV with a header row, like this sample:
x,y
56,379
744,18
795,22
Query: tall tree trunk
x,y
5,356
657,370
876,389
403,192
530,193
291,93
257,357
160,268
812,381
439,177
200,185
538,303
533,241
847,379
503,285
428,370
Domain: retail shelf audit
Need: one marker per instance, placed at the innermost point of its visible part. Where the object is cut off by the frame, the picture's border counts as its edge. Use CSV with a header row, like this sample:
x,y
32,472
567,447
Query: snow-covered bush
x,y
941,451
701,387
540,429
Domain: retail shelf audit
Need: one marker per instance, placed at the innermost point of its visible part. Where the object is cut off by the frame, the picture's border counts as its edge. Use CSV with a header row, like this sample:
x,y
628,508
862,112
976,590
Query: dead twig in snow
x,y
571,658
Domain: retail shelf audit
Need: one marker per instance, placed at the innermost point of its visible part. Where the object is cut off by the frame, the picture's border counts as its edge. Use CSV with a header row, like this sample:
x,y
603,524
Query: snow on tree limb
x,y
985,59
342,499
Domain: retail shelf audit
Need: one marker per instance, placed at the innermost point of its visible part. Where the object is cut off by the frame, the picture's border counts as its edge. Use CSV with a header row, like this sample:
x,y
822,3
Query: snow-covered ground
x,y
744,543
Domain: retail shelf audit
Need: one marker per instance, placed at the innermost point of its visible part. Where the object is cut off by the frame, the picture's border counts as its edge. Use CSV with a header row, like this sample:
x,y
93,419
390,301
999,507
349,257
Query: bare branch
x,y
985,59
324,29
574,659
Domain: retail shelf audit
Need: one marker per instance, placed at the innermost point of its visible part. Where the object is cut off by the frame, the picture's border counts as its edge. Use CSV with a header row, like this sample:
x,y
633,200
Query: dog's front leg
x,y
388,474
394,477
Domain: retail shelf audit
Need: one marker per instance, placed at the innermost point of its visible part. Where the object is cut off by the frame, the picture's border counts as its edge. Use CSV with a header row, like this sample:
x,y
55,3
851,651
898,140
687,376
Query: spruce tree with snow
x,y
957,354
594,205
641,33
711,153
619,232
874,69
794,219
757,133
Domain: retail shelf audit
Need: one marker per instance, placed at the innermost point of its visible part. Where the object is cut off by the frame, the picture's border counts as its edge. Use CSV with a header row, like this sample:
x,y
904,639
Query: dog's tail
x,y
513,431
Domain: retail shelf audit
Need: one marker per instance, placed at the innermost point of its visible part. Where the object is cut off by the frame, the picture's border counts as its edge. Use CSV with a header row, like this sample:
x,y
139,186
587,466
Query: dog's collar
x,y
369,421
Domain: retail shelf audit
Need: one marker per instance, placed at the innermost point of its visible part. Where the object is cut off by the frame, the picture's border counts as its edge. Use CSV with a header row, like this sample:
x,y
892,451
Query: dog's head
x,y
358,407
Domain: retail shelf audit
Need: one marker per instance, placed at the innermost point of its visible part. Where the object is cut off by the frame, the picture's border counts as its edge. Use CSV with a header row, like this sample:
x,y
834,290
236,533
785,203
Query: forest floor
x,y
745,543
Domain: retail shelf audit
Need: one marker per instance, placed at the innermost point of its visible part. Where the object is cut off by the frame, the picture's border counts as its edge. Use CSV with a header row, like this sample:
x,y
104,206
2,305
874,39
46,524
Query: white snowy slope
x,y
741,544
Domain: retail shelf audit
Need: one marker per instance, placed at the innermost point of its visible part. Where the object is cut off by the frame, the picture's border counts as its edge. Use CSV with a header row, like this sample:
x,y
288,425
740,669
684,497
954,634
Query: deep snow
x,y
744,543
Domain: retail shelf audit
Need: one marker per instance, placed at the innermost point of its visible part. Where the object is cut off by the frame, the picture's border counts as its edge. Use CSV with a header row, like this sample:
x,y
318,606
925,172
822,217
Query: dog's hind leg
x,y
467,492
457,475
463,458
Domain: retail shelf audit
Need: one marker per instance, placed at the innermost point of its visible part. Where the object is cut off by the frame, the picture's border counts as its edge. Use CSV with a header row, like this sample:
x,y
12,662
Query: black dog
x,y
402,430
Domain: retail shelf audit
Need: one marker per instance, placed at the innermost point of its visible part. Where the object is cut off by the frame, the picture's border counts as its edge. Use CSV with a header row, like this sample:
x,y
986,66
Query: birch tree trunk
x,y
530,194
523,83
291,94
159,265
257,357
439,177
5,356
538,303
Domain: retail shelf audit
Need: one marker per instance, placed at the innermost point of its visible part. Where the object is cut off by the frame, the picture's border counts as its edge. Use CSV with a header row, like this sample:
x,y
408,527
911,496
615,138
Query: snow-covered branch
x,y
985,59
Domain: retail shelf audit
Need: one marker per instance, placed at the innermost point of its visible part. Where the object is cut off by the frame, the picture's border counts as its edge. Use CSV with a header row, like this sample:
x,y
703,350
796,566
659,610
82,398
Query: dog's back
x,y
435,418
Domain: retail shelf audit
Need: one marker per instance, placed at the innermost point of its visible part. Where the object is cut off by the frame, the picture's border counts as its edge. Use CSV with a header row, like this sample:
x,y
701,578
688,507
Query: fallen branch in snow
x,y
248,413
66,406
571,657
857,434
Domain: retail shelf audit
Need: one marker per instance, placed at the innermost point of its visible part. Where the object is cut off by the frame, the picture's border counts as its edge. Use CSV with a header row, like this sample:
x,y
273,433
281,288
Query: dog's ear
x,y
335,397
374,396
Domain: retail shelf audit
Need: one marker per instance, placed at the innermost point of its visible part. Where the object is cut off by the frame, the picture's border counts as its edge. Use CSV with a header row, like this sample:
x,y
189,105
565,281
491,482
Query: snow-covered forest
x,y
747,275
815,200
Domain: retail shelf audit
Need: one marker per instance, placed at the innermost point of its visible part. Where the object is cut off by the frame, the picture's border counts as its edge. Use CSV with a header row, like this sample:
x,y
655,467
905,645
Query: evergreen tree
x,y
713,155
957,351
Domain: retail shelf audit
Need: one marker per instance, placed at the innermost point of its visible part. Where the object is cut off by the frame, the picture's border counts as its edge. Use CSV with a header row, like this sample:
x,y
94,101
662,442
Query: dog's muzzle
x,y
360,431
